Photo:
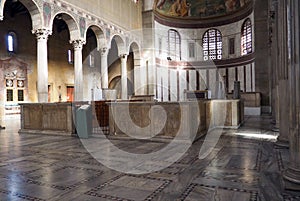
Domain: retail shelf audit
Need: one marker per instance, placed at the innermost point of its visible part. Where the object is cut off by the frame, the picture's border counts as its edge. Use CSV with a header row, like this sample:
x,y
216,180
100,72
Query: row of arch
x,y
43,14
211,42
98,38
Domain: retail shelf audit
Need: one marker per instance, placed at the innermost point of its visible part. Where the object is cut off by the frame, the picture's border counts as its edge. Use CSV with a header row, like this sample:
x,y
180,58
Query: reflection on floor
x,y
40,168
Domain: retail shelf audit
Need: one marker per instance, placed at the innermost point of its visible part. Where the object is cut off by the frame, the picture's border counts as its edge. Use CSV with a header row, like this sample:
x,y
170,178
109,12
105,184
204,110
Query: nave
x,y
239,168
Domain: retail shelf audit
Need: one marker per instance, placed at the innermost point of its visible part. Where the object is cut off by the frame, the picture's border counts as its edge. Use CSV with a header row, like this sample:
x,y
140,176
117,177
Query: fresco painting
x,y
198,8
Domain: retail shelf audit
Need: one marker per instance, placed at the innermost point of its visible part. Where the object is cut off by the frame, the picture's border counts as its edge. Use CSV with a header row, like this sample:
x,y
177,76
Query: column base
x,y
282,143
291,179
275,129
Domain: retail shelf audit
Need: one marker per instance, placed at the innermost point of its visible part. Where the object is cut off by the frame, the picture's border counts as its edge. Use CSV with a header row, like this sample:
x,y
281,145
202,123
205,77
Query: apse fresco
x,y
198,8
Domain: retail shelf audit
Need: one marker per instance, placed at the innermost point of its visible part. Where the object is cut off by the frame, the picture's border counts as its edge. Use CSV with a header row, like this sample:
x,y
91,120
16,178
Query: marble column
x,y
78,80
273,20
104,68
2,104
42,64
283,91
292,173
124,93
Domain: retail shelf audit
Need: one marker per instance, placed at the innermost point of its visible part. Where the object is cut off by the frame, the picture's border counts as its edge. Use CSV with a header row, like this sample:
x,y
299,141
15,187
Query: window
x,y
92,59
9,95
246,38
70,57
231,45
212,45
174,45
20,95
191,50
9,83
11,42
20,83
159,46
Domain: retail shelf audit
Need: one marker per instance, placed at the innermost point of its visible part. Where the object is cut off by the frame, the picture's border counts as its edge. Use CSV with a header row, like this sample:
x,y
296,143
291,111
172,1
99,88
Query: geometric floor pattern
x,y
39,167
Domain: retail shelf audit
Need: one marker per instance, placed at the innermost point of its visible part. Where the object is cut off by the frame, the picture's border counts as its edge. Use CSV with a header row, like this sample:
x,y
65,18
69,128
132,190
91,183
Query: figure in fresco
x,y
160,3
180,8
232,5
198,8
219,8
242,3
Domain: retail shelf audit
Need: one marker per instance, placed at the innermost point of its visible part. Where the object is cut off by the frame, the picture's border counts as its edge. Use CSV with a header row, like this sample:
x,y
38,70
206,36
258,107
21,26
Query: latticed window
x,y
20,95
246,38
212,45
11,42
174,45
9,95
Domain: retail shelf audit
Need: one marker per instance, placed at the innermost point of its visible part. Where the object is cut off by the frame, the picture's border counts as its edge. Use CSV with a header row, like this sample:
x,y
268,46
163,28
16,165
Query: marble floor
x,y
241,167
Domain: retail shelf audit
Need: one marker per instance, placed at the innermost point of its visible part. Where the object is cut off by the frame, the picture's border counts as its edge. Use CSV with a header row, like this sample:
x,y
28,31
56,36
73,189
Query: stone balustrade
x,y
183,117
189,120
47,118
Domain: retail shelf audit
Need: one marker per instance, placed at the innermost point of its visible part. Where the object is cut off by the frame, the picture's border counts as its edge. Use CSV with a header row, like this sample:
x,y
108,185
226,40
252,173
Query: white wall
x,y
207,78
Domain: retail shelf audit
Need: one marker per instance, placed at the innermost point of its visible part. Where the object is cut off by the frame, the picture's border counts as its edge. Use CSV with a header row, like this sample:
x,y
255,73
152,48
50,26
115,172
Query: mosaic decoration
x,y
127,41
82,26
47,13
198,8
107,33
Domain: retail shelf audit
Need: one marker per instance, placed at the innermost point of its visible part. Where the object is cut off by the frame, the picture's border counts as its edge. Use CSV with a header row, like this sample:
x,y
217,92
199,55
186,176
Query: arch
x,y
212,45
99,33
120,44
71,23
33,9
174,45
135,48
138,73
115,83
246,37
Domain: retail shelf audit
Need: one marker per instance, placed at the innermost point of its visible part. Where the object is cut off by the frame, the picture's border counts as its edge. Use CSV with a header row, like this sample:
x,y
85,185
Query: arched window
x,y
212,45
174,45
11,42
246,37
70,57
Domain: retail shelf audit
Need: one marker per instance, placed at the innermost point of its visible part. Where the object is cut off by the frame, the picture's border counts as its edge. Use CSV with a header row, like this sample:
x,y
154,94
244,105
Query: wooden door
x,y
70,93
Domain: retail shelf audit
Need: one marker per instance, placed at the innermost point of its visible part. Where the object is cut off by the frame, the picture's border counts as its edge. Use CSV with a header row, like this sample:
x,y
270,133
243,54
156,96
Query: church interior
x,y
130,100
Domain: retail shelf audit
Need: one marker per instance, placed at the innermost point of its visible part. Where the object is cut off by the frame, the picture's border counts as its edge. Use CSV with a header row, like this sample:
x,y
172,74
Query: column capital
x,y
42,33
78,43
104,51
123,56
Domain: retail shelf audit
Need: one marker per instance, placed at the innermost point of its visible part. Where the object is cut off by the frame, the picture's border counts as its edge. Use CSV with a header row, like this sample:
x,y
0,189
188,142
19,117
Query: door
x,y
70,93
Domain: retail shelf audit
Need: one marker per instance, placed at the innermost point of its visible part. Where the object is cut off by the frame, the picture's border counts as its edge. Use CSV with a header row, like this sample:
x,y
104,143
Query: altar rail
x,y
183,118
47,118
252,102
